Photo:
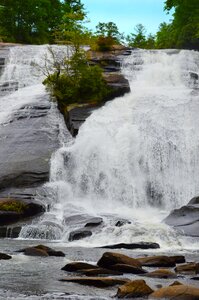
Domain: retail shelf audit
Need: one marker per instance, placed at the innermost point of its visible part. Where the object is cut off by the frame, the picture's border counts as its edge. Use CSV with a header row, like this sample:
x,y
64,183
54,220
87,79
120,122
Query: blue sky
x,y
127,13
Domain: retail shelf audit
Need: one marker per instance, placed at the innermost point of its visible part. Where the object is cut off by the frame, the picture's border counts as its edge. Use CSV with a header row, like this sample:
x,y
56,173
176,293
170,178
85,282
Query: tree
x,y
109,30
137,39
185,23
165,37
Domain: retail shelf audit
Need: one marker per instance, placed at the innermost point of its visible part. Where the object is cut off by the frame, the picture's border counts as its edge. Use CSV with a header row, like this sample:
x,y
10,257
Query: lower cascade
x,y
133,161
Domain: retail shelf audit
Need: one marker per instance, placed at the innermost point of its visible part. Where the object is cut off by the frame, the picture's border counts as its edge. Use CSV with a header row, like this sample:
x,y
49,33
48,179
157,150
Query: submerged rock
x,y
100,282
94,222
122,222
161,273
181,292
79,234
134,289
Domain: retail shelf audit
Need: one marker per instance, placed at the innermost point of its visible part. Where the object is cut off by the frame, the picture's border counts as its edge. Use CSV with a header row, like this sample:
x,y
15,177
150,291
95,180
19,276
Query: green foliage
x,y
34,21
165,37
139,38
185,24
77,82
12,205
110,31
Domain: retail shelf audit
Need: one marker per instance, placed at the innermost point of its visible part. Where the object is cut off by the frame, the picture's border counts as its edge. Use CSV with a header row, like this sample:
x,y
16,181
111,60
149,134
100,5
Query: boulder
x,y
41,250
4,256
175,283
78,266
161,273
100,282
190,268
109,259
79,234
186,218
134,289
177,292
127,269
122,222
13,210
159,261
141,245
94,222
29,139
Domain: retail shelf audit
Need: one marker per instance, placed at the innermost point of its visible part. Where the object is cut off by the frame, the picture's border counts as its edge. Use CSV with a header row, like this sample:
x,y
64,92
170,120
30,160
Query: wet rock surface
x,y
28,142
134,289
100,282
181,292
41,250
141,245
79,234
186,218
109,259
5,256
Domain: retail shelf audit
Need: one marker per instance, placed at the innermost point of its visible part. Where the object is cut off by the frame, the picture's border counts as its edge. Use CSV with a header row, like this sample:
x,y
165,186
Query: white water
x,y
135,158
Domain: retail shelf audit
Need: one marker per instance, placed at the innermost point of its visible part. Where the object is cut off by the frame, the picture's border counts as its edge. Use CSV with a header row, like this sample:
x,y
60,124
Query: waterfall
x,y
136,158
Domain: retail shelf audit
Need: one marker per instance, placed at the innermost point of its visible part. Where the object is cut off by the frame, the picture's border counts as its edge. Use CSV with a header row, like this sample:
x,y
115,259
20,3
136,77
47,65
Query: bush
x,y
77,81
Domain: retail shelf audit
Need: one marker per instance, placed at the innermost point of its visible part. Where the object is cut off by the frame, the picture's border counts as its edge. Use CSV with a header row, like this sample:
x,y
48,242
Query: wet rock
x,y
41,250
195,278
28,143
78,266
100,282
94,222
13,210
127,269
186,218
109,259
175,283
118,83
158,261
79,234
35,252
101,271
178,292
141,245
161,273
190,268
121,223
134,289
4,256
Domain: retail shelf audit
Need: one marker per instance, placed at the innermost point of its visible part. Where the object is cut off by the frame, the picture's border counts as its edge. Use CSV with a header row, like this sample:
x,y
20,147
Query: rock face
x,y
29,140
13,210
110,63
134,289
186,218
181,292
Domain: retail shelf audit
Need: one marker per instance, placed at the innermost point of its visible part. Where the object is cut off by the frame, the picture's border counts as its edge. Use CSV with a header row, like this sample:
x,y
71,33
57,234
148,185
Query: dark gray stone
x,y
141,245
94,222
79,234
122,222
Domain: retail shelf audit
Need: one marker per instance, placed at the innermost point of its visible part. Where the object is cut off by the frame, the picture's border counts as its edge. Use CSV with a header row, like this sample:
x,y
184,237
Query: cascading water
x,y
136,158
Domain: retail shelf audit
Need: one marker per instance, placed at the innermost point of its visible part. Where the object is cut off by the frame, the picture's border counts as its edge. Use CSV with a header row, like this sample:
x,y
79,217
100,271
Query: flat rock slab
x,y
181,292
28,142
109,259
41,250
78,266
100,282
141,245
161,261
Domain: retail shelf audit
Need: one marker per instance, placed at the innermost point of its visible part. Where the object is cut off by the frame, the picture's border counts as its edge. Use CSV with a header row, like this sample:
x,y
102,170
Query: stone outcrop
x,y
134,289
79,234
110,62
186,218
13,210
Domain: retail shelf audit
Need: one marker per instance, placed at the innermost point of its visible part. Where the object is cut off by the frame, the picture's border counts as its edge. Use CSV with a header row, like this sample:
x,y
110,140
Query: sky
x,y
127,13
